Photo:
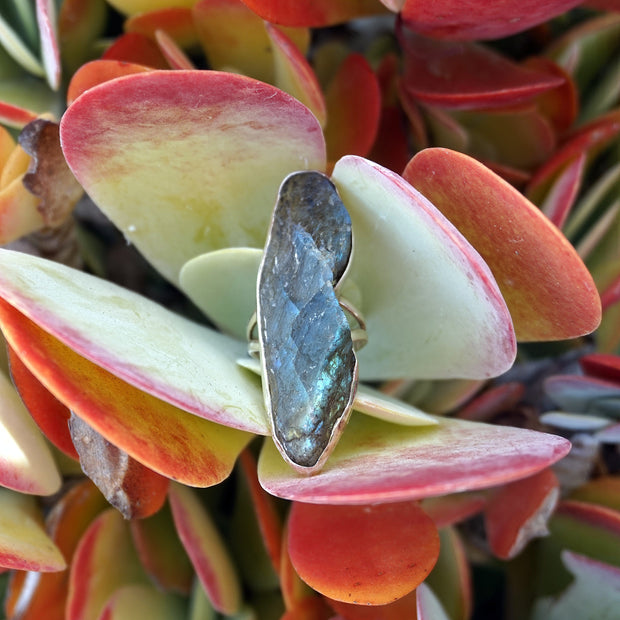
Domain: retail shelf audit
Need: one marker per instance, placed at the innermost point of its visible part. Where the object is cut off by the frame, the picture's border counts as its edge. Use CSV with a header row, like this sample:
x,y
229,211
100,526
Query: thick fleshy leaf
x,y
142,601
47,411
466,75
519,511
454,19
451,576
350,553
428,605
451,509
97,72
46,18
137,49
133,489
26,462
313,13
602,365
495,400
15,116
294,75
377,462
431,306
353,102
24,545
175,56
33,595
584,394
563,192
549,292
188,365
204,124
104,561
131,7
604,491
170,441
404,607
206,550
594,594
161,553
177,22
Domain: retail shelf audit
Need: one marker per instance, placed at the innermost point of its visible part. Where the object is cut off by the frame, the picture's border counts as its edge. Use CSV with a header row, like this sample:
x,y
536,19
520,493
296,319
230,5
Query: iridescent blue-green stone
x,y
310,370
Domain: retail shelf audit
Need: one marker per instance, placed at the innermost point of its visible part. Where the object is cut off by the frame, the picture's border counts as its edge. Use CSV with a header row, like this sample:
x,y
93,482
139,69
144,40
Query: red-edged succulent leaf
x,y
313,13
563,192
519,511
376,461
137,49
15,116
602,365
24,545
476,19
161,436
428,605
350,553
491,402
404,607
104,561
46,18
595,592
268,519
353,103
175,56
451,509
177,22
309,608
453,295
133,489
97,72
161,553
47,411
583,394
549,292
188,117
294,75
293,589
205,549
142,601
26,462
466,75
604,491
31,595
188,365
450,579
589,139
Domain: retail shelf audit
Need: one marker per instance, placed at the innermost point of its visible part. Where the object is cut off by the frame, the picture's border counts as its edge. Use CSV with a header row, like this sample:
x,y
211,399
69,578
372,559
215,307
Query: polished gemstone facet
x,y
309,367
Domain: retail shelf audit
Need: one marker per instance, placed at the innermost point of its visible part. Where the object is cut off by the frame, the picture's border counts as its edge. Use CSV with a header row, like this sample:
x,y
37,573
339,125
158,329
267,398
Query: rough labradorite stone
x,y
309,367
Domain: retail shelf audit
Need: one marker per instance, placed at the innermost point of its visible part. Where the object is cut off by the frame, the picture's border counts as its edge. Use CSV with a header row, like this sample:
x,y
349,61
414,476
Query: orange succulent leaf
x,y
133,489
404,607
26,462
268,519
353,100
161,552
376,461
313,13
97,72
519,511
294,590
477,19
205,549
15,116
177,22
47,411
137,49
24,544
167,439
104,561
450,579
309,608
449,510
466,75
548,290
32,596
350,553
